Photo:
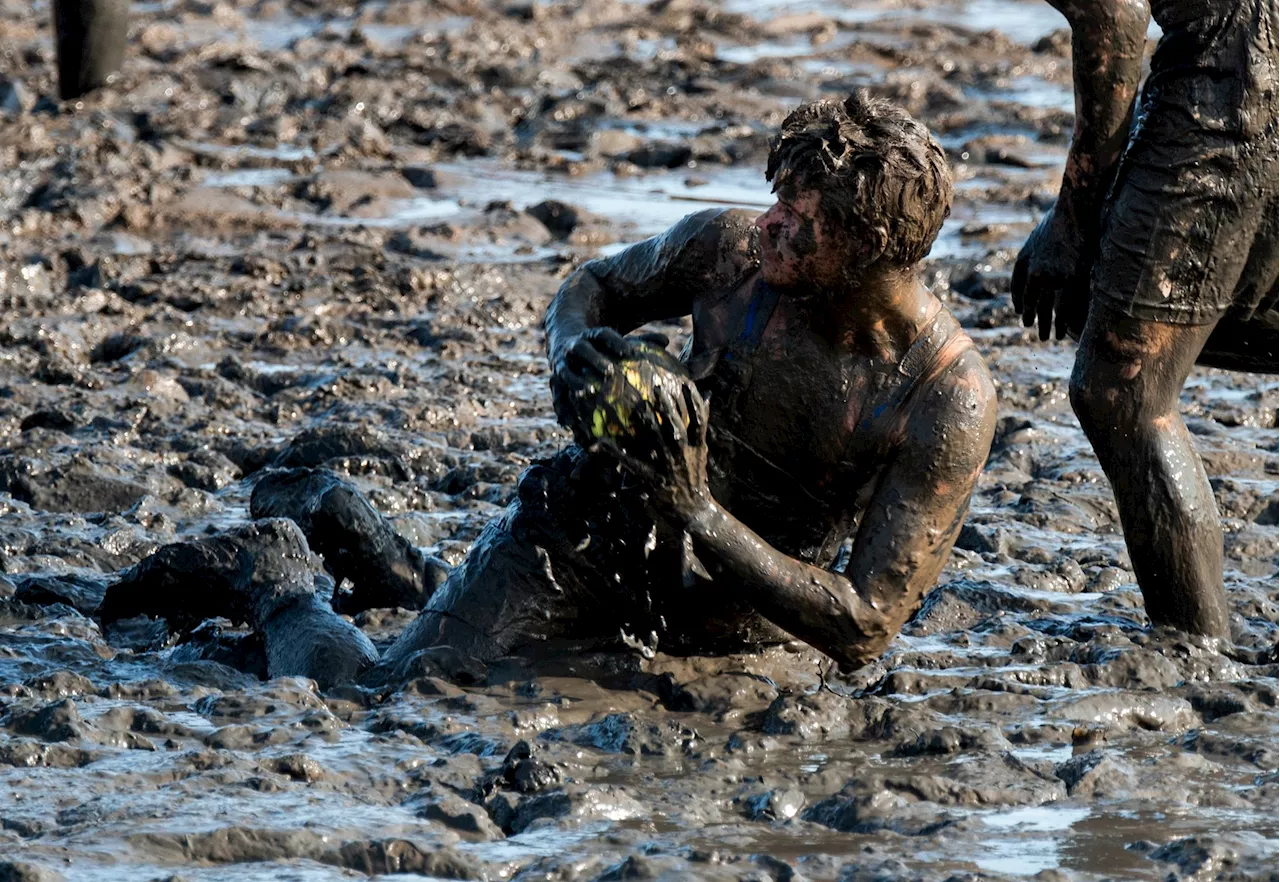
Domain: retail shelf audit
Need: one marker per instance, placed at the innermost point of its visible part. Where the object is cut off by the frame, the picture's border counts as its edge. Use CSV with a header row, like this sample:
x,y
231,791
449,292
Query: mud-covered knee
x,y
1092,402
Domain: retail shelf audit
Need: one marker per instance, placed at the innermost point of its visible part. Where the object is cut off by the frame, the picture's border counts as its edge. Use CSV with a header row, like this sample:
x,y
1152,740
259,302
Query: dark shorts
x,y
1189,234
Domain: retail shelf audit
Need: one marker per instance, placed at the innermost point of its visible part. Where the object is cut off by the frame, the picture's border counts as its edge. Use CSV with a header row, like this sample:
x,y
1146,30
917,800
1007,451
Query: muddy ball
x,y
621,406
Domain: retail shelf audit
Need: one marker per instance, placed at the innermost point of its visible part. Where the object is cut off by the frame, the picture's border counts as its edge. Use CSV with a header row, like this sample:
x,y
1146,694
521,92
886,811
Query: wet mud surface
x,y
304,234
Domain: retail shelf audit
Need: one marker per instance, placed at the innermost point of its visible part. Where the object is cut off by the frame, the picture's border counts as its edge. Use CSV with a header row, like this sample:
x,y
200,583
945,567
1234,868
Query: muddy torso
x,y
784,455
801,430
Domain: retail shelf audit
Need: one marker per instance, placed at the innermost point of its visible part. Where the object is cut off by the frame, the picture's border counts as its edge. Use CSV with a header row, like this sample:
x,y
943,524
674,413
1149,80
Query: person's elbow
x,y
1103,16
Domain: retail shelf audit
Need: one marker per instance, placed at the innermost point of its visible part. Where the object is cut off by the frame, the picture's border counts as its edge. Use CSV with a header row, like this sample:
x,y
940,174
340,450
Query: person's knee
x,y
1096,402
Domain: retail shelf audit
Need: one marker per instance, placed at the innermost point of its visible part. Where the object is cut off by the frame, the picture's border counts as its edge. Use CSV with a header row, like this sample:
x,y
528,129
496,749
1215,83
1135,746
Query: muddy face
x,y
797,248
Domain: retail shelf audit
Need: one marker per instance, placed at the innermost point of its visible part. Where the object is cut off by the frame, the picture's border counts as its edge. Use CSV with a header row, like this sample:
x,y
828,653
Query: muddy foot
x,y
262,573
357,542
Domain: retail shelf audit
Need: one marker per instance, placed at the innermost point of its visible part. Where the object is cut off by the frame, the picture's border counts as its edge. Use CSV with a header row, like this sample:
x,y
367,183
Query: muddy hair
x,y
872,164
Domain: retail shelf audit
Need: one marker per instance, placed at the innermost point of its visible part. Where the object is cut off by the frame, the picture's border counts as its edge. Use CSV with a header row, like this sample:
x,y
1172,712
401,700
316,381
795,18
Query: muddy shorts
x,y
1189,234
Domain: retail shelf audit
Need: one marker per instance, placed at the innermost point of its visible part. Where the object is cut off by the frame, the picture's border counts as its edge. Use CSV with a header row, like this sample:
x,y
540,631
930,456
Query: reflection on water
x,y
535,843
1022,851
295,871
640,205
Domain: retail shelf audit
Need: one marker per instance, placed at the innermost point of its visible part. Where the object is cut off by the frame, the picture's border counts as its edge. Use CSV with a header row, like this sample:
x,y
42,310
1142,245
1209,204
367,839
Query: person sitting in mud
x,y
1160,253
801,472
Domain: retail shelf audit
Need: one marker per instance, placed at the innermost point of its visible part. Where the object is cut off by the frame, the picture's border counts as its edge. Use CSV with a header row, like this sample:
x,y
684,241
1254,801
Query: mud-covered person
x,y
845,418
1164,236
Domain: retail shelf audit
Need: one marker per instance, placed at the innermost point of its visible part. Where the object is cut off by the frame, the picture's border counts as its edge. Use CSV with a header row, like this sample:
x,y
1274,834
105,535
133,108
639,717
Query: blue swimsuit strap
x,y
759,311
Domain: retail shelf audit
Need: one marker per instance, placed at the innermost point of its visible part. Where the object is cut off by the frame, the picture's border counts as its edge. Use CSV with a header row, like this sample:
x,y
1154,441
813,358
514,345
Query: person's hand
x,y
586,357
676,469
1051,277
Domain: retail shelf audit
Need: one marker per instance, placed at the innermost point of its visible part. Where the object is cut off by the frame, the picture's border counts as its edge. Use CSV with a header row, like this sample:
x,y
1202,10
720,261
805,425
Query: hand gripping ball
x,y
621,406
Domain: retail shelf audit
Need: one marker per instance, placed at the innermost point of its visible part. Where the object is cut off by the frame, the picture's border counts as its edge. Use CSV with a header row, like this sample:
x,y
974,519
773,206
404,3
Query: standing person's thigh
x,y
1188,205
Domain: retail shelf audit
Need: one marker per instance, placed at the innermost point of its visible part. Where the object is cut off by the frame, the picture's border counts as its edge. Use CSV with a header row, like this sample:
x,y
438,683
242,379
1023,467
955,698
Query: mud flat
x,y
323,234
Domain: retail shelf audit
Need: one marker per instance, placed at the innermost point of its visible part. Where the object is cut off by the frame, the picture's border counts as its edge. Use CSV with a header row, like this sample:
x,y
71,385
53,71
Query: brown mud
x,y
310,234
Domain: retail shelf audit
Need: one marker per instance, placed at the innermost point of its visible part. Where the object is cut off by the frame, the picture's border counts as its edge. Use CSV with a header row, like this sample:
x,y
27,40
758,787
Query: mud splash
x,y
324,235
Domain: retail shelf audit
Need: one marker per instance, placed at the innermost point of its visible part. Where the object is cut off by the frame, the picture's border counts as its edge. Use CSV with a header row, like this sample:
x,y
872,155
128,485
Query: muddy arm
x,y
1108,38
1051,276
915,514
654,279
822,608
900,547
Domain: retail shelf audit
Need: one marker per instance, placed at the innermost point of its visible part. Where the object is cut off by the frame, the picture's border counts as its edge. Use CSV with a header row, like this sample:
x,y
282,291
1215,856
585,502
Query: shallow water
x,y
275,224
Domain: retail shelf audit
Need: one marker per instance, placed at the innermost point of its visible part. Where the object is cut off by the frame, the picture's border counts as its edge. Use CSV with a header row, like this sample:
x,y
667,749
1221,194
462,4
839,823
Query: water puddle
x,y
257,871
535,843
281,33
638,206
650,203
277,34
233,153
249,177
282,30
1029,91
1054,753
1032,840
400,213
796,48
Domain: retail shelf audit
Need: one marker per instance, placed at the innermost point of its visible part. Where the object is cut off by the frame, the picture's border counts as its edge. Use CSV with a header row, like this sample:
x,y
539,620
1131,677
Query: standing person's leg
x,y
1190,199
90,40
1125,387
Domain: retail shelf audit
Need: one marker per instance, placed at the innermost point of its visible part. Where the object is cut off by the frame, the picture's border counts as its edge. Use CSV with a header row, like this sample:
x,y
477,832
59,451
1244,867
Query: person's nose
x,y
762,222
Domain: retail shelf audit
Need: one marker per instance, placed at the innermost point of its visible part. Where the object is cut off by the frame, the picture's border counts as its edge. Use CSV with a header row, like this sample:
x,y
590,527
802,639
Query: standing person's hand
x,y
1051,277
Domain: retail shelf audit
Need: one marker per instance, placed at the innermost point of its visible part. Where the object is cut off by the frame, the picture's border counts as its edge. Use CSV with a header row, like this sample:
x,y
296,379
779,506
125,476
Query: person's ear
x,y
875,241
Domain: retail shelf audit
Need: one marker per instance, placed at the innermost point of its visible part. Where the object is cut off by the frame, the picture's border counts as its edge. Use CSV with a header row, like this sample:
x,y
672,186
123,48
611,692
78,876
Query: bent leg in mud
x,y
1246,338
261,573
90,39
356,541
1124,389
565,562
1244,344
577,562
